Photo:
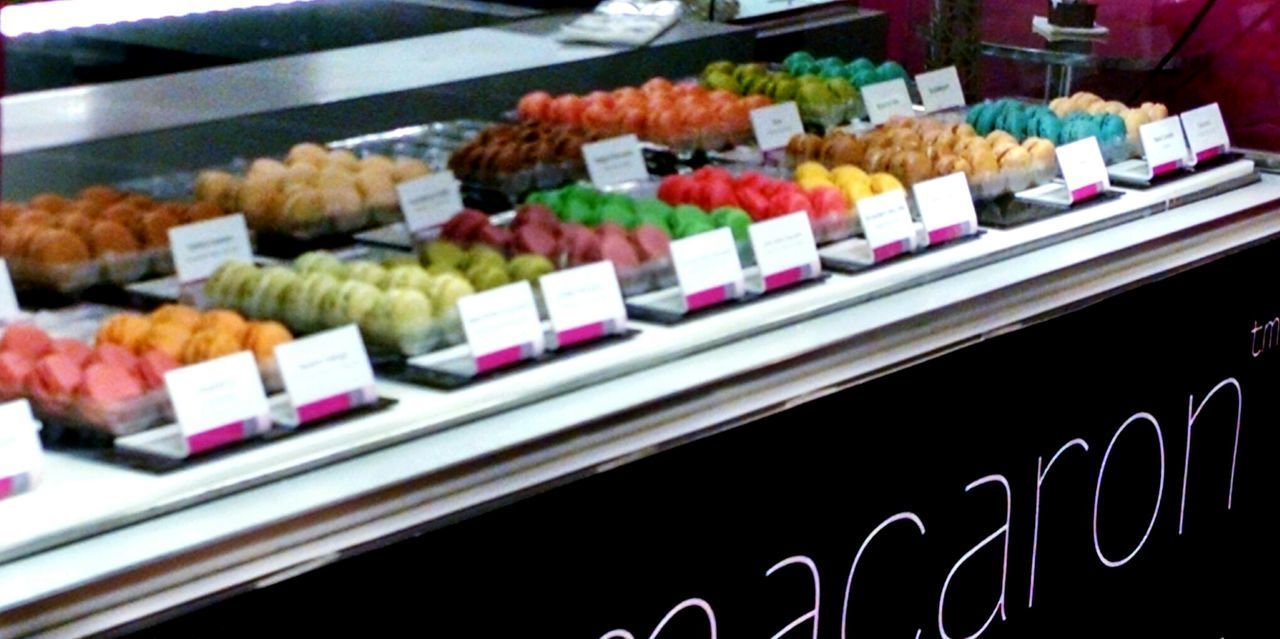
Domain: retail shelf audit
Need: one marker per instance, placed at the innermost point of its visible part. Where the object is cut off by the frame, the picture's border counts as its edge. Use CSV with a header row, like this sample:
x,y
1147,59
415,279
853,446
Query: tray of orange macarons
x,y
102,235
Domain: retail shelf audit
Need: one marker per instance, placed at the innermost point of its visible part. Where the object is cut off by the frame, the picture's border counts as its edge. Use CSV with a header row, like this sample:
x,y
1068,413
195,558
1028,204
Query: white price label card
x,y
615,161
8,299
1083,169
327,373
584,303
886,100
708,269
940,89
886,222
502,326
21,456
200,248
218,402
1163,145
429,201
1206,132
946,208
775,125
785,250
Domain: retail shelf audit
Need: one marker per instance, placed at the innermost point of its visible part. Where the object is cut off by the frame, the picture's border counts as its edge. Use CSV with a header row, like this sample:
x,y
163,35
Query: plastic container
x,y
449,325
834,227
1044,174
124,268
112,268
118,419
1018,179
1117,150
122,418
989,187
649,276
63,278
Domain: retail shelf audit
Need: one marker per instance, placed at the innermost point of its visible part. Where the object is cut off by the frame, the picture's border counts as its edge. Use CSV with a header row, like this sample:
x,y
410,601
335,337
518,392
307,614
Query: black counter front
x,y
1100,473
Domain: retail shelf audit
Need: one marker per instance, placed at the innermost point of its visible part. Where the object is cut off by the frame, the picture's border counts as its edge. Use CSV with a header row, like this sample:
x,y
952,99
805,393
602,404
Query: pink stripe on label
x,y
323,408
1209,154
6,487
709,297
947,233
1085,192
889,251
1167,167
580,334
216,438
785,278
499,359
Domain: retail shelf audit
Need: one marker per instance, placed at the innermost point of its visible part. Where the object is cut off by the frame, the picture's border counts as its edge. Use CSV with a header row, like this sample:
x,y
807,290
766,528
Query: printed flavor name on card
x,y
785,250
327,373
502,326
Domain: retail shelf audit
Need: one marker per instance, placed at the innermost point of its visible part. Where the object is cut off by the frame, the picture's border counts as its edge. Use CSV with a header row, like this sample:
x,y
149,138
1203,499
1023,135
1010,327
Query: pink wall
x,y
1233,58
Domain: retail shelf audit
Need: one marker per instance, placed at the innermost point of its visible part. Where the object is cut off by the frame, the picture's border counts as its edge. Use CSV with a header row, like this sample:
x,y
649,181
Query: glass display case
x,y
304,304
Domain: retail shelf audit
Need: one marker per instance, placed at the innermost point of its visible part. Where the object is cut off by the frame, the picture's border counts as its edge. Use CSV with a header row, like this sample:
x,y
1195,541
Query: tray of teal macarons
x,y
1070,119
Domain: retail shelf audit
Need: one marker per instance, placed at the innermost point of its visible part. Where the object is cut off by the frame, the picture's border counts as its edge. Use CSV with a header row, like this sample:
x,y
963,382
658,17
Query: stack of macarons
x,y
313,190
61,373
1023,120
395,305
98,229
545,238
189,336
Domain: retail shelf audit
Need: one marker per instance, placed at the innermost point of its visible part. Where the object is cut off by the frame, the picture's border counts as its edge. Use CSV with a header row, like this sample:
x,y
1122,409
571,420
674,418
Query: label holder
x,y
887,225
715,252
139,452
193,262
21,454
786,253
453,369
509,308
583,303
1206,134
940,89
615,161
946,209
887,100
232,380
664,307
428,202
325,374
775,125
1165,153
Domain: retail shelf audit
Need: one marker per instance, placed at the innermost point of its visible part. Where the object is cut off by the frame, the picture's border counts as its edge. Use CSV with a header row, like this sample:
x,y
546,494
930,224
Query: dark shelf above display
x,y
61,141
148,48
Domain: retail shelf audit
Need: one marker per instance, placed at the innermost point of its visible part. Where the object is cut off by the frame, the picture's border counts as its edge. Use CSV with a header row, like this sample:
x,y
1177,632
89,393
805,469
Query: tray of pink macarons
x,y
100,371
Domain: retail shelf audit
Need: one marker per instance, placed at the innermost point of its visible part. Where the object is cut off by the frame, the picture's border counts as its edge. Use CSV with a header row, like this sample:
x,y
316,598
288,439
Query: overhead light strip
x,y
61,15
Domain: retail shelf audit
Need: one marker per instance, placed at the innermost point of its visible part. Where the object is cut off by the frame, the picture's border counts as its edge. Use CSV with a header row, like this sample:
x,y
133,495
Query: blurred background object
x,y
1229,55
